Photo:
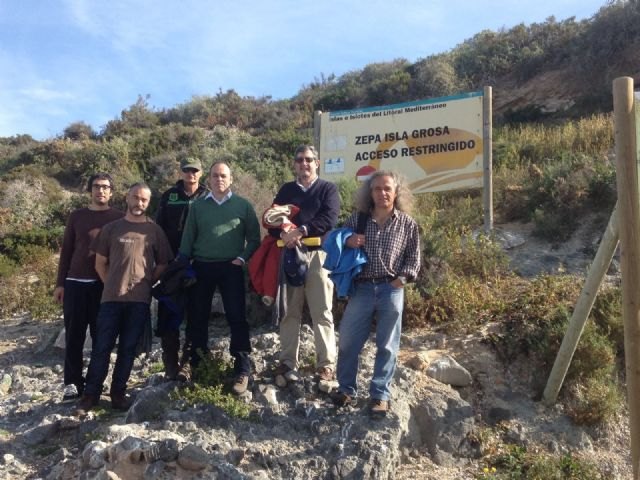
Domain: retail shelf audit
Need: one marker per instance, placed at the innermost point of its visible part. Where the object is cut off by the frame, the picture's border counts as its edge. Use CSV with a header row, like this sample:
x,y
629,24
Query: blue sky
x,y
78,60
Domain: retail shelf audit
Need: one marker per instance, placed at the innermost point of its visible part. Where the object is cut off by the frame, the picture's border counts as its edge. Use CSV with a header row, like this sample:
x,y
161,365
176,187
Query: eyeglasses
x,y
190,170
305,159
98,186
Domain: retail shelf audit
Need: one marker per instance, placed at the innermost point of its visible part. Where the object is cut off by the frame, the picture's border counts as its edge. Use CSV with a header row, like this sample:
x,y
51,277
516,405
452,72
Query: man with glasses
x,y
171,216
221,234
319,205
78,287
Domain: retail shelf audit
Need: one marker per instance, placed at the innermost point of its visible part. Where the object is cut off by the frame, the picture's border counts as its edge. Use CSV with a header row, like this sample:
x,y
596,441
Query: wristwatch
x,y
403,280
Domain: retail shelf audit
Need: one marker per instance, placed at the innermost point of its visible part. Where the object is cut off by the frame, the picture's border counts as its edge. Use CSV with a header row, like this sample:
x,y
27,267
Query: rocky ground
x,y
449,391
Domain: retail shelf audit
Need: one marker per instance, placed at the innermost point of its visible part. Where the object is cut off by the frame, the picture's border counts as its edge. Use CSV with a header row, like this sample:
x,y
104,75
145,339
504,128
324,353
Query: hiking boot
x,y
184,375
341,399
240,384
70,393
326,374
170,348
86,403
378,408
119,401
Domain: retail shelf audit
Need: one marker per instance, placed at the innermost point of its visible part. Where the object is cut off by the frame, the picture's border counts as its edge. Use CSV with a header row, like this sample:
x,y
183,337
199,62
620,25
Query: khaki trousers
x,y
318,290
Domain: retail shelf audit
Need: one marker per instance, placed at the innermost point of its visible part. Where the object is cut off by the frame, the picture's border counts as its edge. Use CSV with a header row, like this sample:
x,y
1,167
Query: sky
x,y
64,61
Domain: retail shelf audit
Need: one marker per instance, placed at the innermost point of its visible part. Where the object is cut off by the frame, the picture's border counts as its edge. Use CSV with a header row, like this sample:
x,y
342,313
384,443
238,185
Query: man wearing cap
x,y
171,217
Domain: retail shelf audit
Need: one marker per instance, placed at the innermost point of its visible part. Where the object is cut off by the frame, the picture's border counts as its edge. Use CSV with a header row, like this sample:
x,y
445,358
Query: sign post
x,y
626,143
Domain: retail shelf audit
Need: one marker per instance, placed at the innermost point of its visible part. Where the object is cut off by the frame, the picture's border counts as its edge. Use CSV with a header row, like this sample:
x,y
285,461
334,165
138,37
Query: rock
x,y
149,404
193,458
235,456
450,372
419,362
499,414
268,394
441,424
5,384
94,454
40,434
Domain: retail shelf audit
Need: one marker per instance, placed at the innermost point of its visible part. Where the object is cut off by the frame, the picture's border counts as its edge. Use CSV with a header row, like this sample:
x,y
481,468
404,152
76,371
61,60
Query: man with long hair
x,y
392,244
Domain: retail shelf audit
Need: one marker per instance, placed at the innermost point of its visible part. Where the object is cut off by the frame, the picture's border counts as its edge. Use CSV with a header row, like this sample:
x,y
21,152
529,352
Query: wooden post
x,y
596,274
487,141
316,130
629,227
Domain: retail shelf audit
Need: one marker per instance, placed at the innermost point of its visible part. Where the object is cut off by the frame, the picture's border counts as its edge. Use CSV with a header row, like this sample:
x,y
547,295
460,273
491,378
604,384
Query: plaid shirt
x,y
393,250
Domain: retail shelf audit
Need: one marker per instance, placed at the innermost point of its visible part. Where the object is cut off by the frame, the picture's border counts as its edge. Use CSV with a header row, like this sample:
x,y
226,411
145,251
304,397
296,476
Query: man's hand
x,y
397,283
237,262
355,241
292,239
58,295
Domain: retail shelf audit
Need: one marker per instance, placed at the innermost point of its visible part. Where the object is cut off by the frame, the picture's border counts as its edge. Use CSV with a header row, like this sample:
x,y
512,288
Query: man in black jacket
x,y
171,216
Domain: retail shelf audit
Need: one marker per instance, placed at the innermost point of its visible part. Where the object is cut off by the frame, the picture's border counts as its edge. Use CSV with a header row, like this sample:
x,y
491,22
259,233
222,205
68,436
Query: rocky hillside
x,y
450,392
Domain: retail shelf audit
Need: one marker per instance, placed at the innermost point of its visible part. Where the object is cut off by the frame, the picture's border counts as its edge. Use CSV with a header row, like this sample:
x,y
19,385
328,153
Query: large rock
x,y
441,423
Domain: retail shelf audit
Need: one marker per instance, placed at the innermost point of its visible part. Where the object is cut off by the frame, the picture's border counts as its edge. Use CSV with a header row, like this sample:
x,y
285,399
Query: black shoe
x,y
240,383
184,375
341,399
119,401
71,393
86,403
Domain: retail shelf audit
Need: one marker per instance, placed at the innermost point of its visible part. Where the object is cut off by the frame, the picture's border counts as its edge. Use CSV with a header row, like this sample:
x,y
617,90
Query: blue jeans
x,y
124,321
386,303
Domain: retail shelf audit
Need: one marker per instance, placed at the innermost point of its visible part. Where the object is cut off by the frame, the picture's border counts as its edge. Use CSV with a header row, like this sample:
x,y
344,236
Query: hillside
x,y
435,431
499,312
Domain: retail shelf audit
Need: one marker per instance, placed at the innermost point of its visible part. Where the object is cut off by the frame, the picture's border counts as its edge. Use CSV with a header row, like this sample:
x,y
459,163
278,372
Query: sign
x,y
437,144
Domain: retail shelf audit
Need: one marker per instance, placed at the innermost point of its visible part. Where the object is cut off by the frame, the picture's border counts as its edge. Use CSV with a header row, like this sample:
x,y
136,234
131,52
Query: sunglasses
x,y
305,159
190,170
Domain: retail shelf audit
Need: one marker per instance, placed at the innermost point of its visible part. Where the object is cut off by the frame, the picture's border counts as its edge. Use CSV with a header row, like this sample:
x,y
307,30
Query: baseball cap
x,y
190,162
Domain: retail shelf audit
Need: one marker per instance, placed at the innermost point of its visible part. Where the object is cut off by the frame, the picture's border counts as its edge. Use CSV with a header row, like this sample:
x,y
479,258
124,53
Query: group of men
x,y
110,260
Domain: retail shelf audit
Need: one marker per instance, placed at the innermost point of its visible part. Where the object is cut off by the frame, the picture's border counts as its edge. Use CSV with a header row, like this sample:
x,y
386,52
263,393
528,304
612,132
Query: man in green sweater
x,y
221,233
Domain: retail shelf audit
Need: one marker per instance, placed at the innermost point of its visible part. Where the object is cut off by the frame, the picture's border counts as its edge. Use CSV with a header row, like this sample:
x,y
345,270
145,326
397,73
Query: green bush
x,y
209,376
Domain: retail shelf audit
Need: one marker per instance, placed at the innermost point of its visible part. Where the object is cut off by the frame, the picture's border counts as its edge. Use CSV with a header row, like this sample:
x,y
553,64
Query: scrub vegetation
x,y
550,168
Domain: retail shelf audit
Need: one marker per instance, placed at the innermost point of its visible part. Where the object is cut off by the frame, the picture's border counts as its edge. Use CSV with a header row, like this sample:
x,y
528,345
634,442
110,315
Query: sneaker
x,y
378,408
326,374
70,393
86,403
240,384
341,399
184,375
119,401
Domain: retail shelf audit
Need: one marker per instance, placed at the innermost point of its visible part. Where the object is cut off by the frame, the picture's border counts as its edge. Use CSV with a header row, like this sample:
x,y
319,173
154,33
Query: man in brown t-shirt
x,y
78,287
131,254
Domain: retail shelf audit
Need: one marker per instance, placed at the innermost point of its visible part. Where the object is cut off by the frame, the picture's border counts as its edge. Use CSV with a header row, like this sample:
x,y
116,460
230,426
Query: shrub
x,y
515,462
209,376
30,289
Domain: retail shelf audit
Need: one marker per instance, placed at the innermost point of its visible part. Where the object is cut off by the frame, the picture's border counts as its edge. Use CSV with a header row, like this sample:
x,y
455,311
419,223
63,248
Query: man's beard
x,y
136,211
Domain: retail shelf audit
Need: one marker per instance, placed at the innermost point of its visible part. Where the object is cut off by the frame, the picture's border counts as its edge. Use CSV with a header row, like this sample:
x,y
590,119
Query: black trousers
x,y
80,308
229,279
